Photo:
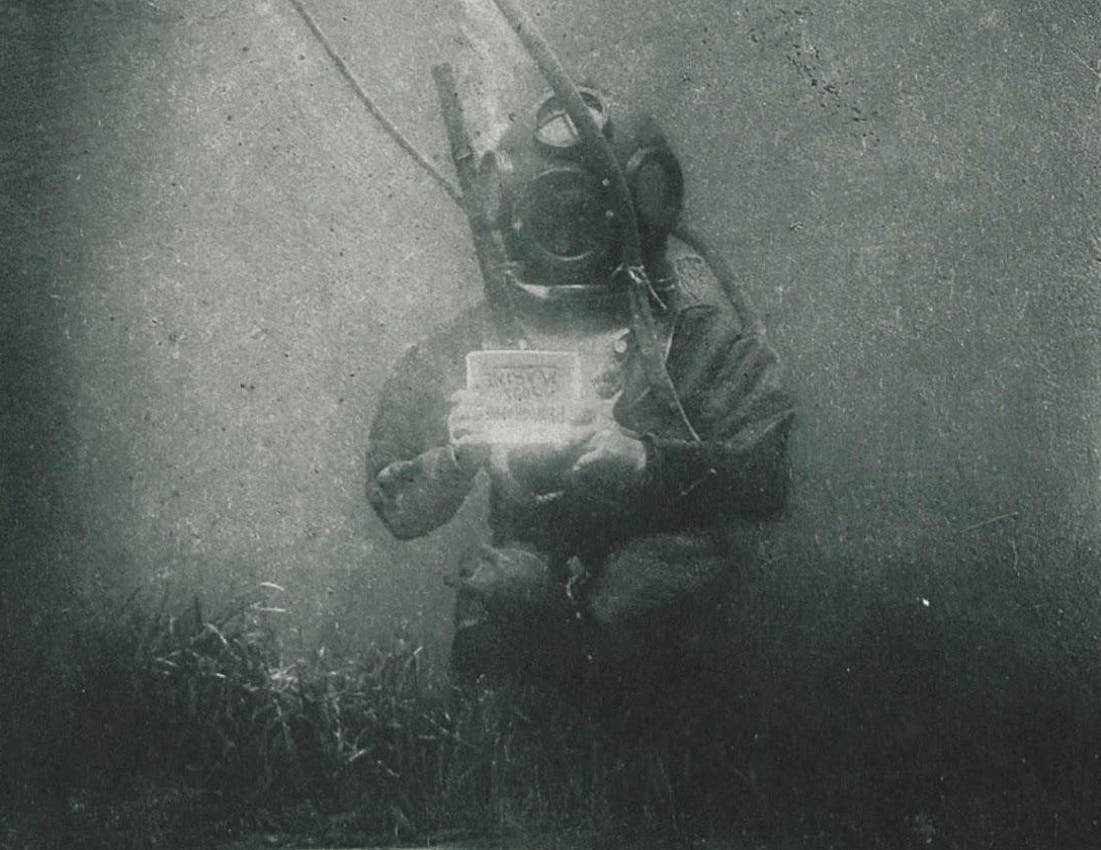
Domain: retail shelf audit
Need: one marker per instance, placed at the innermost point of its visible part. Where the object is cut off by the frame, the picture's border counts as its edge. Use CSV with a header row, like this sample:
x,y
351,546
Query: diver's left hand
x,y
612,465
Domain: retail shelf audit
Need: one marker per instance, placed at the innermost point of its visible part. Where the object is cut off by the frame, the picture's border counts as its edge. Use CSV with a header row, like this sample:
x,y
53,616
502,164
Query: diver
x,y
612,541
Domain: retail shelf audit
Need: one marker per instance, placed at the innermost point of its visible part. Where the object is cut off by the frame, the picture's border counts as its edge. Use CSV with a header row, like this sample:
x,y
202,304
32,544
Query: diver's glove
x,y
612,466
468,442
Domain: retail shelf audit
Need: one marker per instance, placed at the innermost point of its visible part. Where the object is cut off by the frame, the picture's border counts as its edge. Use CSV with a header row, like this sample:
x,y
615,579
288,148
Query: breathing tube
x,y
491,259
601,159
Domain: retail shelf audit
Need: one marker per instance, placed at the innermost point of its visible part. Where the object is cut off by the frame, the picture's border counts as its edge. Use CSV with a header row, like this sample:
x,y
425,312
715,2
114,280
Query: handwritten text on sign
x,y
527,396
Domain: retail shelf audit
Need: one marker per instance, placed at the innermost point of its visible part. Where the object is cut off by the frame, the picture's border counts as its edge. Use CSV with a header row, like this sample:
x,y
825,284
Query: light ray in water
x,y
499,65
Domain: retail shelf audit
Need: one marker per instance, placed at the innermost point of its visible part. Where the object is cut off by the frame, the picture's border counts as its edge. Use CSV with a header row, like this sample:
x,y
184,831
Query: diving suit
x,y
609,544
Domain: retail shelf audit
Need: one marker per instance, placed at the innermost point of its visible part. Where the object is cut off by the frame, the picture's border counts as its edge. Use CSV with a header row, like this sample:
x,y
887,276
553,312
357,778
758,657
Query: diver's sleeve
x,y
413,481
729,384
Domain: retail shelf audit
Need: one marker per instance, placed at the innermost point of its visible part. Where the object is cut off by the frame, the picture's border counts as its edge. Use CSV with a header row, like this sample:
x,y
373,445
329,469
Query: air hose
x,y
602,160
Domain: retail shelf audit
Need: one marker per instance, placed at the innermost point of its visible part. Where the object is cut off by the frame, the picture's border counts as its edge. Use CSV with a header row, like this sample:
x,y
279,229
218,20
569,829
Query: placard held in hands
x,y
527,397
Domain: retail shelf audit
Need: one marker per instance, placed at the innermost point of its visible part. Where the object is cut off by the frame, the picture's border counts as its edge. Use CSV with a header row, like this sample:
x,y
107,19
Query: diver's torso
x,y
615,389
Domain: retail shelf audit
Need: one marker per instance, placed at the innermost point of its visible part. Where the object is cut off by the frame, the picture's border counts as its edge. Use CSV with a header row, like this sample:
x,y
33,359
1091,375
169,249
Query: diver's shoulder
x,y
697,287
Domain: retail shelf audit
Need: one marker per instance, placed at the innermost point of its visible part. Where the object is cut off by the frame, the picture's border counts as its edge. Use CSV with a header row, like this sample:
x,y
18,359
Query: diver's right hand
x,y
465,428
544,467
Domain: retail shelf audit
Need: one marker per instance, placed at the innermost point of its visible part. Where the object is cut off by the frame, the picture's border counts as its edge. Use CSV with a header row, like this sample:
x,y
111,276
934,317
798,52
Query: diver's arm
x,y
415,483
416,495
729,385
727,478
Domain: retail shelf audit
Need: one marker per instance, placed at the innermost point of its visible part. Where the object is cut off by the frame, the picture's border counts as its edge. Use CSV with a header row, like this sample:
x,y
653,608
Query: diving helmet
x,y
555,213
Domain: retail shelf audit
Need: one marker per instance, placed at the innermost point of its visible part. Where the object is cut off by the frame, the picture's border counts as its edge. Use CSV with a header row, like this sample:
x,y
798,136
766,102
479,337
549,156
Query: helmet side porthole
x,y
657,186
555,134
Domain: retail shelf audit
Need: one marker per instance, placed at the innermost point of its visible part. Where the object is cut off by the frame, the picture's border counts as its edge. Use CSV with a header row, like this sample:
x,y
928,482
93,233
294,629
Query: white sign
x,y
527,396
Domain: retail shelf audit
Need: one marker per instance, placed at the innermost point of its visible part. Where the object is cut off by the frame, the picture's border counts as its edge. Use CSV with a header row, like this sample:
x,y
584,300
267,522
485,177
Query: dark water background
x,y
211,256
